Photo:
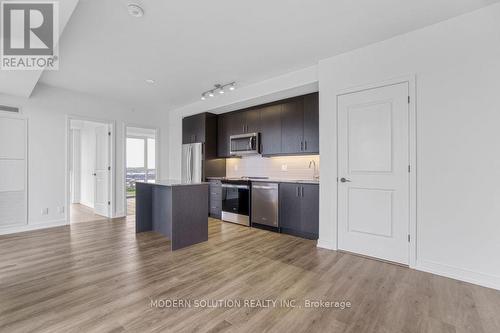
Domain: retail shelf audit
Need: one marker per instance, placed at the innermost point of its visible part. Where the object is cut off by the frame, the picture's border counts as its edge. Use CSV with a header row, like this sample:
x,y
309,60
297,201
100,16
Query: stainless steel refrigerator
x,y
192,162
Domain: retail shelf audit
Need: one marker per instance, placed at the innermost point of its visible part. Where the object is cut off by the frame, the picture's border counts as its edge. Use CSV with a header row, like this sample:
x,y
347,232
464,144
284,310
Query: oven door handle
x,y
235,186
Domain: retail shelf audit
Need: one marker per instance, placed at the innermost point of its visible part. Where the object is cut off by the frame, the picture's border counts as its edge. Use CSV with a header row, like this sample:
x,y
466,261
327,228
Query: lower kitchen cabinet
x,y
299,209
215,199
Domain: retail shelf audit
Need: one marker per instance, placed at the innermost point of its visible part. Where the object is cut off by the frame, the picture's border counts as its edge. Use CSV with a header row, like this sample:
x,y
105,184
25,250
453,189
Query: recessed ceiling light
x,y
135,10
150,81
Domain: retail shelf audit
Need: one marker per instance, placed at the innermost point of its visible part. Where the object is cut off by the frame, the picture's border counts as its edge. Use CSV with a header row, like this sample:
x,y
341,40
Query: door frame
x,y
112,152
124,162
412,155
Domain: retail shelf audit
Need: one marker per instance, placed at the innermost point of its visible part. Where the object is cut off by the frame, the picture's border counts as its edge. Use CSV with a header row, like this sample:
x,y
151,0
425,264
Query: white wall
x,y
47,111
457,67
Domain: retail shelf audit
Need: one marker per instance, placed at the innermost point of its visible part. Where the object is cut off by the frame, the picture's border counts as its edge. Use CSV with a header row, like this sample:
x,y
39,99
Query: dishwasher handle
x,y
262,187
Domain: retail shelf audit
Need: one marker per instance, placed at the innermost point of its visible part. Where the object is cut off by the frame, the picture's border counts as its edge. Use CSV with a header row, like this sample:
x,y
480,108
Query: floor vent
x,y
6,108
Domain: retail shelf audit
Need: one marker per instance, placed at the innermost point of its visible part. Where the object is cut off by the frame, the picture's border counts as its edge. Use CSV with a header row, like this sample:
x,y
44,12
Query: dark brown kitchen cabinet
x,y
270,130
292,126
193,128
228,124
311,124
201,128
300,125
299,209
252,120
215,198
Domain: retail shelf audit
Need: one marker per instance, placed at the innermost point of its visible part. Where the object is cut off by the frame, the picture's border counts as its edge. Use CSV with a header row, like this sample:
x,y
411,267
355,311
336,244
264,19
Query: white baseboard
x,y
481,279
324,244
119,214
33,226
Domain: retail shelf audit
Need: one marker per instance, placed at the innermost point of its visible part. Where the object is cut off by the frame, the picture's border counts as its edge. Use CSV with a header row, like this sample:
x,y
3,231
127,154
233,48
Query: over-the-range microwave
x,y
244,144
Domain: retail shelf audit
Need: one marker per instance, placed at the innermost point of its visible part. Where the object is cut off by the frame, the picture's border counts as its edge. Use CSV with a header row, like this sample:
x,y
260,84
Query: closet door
x,y
13,194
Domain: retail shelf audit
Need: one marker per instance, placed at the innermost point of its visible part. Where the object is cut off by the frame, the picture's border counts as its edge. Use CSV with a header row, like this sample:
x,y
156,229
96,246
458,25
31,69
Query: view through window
x,y
141,161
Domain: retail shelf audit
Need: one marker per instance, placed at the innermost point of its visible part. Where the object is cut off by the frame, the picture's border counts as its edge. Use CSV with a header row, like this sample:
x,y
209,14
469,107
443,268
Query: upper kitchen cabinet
x,y
193,128
234,123
292,126
300,125
270,130
311,124
201,128
252,120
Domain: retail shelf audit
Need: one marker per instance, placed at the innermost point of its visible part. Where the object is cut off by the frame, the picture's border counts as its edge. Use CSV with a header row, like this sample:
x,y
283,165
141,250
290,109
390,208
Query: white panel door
x,y
373,190
102,172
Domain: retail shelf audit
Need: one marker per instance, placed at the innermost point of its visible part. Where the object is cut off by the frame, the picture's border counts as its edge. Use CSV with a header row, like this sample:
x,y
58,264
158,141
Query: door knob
x,y
344,180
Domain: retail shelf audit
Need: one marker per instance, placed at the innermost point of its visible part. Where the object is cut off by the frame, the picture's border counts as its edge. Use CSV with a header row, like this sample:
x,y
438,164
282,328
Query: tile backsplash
x,y
282,167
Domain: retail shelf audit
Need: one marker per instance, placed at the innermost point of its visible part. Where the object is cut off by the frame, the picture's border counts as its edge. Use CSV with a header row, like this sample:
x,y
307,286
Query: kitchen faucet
x,y
315,172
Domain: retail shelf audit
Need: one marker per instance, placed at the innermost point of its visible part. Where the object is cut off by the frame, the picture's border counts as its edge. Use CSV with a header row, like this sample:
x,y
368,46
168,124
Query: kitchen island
x,y
175,209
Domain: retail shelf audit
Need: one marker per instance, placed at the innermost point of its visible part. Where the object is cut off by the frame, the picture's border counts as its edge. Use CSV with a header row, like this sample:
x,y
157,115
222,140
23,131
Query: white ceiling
x,y
187,46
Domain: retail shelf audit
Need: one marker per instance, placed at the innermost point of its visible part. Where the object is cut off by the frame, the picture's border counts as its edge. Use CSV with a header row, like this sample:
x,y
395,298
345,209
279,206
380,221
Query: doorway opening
x,y
90,170
141,150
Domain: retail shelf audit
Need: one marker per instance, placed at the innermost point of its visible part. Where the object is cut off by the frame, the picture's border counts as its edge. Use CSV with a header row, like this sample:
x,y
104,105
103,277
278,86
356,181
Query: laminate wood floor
x,y
100,277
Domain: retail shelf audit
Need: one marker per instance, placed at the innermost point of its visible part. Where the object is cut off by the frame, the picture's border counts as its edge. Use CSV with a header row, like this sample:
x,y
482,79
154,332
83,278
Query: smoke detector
x,y
135,10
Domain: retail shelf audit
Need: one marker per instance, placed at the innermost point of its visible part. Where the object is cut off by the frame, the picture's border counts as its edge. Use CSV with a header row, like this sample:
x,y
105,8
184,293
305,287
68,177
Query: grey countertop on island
x,y
171,182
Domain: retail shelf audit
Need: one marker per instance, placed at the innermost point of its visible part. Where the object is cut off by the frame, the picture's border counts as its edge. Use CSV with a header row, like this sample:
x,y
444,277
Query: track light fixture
x,y
218,88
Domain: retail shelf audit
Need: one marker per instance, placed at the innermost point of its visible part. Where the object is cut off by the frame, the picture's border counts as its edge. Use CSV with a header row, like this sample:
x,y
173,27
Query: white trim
x,y
112,192
325,244
481,279
124,162
34,226
410,79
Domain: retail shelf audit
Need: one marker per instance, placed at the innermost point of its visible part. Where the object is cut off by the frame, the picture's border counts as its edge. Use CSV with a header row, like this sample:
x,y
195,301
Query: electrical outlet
x,y
45,211
284,167
236,167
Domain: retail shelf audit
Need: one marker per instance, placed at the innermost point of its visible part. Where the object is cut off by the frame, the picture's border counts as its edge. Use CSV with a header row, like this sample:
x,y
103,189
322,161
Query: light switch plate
x,y
284,167
45,211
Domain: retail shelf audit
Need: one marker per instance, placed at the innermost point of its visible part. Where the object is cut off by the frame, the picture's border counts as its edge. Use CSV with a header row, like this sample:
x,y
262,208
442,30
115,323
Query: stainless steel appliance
x,y
236,201
265,204
244,144
192,162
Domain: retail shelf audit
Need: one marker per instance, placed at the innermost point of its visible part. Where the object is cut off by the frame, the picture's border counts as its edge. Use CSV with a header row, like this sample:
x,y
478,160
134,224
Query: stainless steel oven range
x,y
236,201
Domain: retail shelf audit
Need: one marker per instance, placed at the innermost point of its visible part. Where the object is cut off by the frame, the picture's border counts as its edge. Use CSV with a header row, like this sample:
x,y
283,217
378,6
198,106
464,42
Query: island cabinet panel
x,y
299,209
215,202
270,133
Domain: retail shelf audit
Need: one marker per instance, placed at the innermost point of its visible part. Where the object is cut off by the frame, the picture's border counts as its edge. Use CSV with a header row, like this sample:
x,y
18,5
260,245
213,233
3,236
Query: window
x,y
141,161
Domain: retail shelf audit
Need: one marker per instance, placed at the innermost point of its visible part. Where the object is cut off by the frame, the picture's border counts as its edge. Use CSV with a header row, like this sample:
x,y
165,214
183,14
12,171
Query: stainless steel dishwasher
x,y
265,204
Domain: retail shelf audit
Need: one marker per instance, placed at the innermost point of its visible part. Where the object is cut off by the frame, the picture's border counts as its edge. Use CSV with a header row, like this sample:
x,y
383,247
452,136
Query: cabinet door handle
x,y
298,190
301,145
305,145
